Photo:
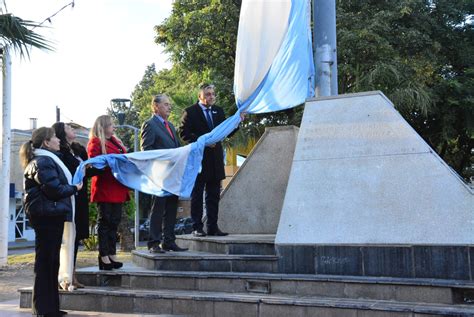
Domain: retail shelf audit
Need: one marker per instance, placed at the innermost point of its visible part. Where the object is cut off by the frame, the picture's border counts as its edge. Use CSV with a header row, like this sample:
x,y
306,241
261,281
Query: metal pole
x,y
5,167
324,34
137,209
58,114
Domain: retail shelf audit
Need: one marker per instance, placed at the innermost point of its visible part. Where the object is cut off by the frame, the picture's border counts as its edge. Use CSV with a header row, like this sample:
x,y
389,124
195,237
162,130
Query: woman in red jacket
x,y
106,191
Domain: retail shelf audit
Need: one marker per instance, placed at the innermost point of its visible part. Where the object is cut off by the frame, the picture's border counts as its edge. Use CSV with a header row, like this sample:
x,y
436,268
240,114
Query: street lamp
x,y
121,124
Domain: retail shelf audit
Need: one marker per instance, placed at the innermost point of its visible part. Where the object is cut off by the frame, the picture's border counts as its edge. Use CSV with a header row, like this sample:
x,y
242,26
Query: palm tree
x,y
18,35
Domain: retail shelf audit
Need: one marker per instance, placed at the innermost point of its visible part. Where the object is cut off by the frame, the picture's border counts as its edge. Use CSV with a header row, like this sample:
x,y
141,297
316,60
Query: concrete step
x,y
209,304
203,261
255,244
372,288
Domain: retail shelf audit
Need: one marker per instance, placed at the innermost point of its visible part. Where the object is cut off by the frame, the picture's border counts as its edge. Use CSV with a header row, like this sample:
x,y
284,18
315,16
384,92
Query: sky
x,y
102,48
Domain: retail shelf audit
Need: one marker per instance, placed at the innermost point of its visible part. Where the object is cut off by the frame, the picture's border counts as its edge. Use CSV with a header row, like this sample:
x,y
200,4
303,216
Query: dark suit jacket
x,y
193,125
156,137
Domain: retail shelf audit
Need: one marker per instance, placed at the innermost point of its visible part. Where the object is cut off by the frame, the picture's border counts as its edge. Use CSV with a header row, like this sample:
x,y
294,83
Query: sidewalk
x,y
10,309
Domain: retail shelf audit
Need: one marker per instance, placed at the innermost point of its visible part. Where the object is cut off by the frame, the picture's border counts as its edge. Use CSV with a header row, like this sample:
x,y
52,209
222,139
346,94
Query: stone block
x,y
191,307
330,312
262,180
285,258
283,287
447,262
378,313
235,309
267,310
149,305
303,259
118,304
252,266
388,261
221,285
338,260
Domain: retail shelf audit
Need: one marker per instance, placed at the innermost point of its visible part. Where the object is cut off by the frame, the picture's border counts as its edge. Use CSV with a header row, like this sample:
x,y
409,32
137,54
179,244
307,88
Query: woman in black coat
x,y
48,205
73,154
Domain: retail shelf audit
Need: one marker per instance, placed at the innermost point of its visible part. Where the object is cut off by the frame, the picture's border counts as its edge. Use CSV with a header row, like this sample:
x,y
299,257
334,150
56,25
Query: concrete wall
x,y
362,175
252,201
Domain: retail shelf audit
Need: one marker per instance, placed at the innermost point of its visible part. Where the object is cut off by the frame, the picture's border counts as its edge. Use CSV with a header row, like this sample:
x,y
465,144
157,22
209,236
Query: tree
x,y
18,35
418,52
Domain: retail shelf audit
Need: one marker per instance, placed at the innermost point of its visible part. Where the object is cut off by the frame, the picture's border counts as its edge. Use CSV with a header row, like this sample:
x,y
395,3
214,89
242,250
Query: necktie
x,y
209,119
167,126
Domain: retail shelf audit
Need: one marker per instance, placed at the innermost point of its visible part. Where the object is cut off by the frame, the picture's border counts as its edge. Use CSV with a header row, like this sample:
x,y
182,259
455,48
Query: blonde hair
x,y
98,130
37,138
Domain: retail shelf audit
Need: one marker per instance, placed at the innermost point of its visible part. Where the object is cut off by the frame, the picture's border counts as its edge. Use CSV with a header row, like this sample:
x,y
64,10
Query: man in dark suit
x,y
157,133
197,120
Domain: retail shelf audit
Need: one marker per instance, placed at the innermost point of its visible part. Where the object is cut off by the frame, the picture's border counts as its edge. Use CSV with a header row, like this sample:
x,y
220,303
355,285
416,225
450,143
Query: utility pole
x,y
325,46
6,145
58,114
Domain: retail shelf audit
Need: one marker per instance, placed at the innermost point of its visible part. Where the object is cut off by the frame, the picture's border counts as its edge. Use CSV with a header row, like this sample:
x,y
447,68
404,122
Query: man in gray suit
x,y
157,133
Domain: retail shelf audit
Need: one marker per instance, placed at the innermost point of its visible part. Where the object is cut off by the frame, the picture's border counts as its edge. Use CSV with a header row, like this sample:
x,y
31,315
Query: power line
x,y
53,15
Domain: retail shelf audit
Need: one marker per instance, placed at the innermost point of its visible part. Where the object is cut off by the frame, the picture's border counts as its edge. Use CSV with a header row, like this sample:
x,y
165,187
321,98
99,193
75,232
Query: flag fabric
x,y
274,71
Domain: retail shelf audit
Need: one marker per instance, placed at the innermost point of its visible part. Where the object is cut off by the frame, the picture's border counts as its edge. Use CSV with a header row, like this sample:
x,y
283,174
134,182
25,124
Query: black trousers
x,y
213,193
48,237
108,221
163,220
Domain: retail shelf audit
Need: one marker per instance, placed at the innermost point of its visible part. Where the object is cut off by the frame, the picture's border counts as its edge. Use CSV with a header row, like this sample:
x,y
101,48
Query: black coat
x,y
81,217
193,125
47,190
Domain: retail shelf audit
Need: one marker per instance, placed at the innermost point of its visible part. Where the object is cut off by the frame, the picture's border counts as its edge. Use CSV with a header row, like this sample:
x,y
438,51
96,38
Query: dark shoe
x,y
105,266
62,312
217,232
172,247
116,265
155,249
199,233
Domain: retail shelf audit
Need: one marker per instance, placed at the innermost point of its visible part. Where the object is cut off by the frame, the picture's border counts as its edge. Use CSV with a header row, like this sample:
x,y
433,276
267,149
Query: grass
x,y
84,258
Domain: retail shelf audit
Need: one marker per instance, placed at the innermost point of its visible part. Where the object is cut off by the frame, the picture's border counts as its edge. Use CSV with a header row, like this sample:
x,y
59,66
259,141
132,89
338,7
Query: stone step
x,y
374,288
203,261
209,304
254,244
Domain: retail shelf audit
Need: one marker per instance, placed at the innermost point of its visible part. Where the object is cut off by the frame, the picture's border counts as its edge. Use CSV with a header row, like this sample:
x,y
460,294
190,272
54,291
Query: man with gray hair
x,y
157,133
197,120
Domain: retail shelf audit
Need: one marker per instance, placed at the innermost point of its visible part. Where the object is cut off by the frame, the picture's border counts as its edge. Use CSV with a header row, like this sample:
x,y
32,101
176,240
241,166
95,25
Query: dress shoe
x,y
199,233
155,249
216,232
172,247
116,264
105,266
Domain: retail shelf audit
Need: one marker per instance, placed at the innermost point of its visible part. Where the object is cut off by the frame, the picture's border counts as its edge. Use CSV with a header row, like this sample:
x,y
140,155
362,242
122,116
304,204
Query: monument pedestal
x,y
367,196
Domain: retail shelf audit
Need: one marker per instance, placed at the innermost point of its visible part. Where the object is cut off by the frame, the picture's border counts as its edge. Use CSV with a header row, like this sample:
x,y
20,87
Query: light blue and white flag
x,y
274,71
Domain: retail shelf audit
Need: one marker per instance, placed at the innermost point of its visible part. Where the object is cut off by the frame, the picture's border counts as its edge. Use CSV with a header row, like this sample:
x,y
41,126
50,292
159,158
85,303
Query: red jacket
x,y
104,187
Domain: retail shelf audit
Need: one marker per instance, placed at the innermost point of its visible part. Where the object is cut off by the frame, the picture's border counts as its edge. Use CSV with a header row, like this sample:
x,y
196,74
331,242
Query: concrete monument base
x,y
367,196
251,203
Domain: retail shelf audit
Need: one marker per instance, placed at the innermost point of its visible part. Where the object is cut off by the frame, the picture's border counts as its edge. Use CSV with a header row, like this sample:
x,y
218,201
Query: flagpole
x,y
325,45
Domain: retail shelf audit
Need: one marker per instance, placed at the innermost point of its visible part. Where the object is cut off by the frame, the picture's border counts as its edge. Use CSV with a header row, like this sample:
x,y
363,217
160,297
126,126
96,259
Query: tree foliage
x,y
18,35
417,52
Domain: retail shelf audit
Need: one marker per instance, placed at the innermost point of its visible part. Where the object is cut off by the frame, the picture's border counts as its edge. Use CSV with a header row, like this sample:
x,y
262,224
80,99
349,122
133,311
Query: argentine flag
x,y
274,71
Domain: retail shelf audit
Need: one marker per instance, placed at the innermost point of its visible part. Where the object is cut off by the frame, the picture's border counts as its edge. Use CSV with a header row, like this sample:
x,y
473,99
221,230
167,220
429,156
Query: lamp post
x,y
121,124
